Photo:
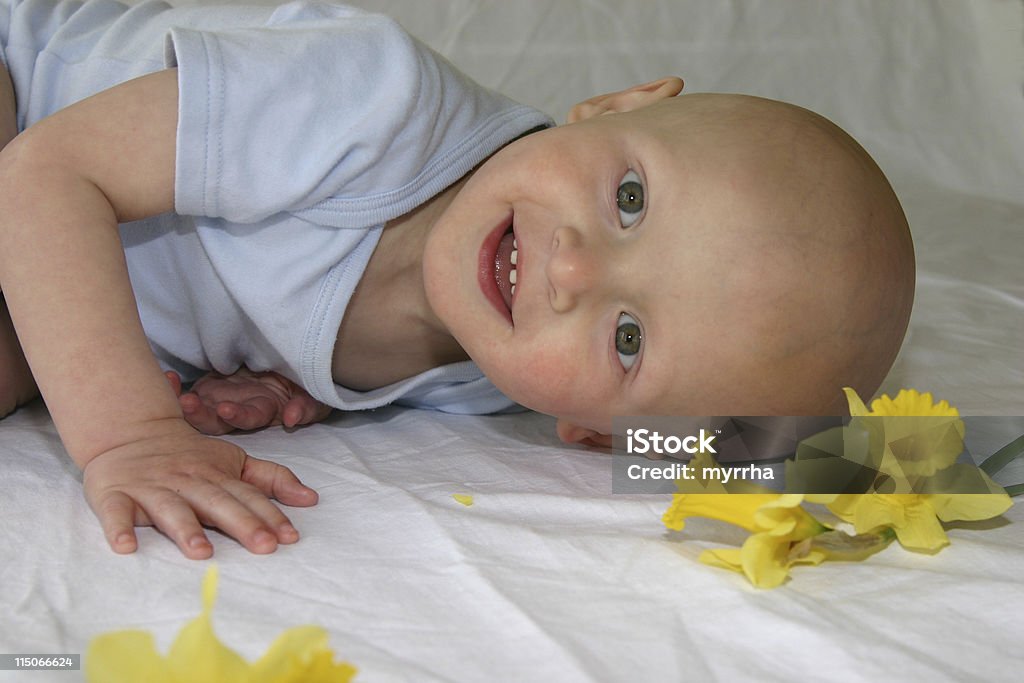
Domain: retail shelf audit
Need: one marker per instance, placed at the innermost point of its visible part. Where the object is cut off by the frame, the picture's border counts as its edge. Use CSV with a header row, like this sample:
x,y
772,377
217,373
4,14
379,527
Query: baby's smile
x,y
499,255
505,260
513,259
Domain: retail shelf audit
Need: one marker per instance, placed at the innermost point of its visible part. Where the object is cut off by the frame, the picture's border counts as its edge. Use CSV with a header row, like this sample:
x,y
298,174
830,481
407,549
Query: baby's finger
x,y
303,410
258,503
296,412
171,514
202,417
277,481
116,512
175,381
219,507
255,413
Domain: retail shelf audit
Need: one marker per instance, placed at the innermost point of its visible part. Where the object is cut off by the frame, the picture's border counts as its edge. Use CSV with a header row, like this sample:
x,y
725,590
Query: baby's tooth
x,y
515,243
514,257
512,276
513,290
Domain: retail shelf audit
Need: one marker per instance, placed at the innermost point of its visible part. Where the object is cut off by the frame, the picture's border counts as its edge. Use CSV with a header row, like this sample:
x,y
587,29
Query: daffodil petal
x,y
921,530
765,560
301,655
876,510
323,669
922,445
675,516
197,655
844,506
911,402
857,407
724,558
969,506
785,517
734,508
125,657
775,518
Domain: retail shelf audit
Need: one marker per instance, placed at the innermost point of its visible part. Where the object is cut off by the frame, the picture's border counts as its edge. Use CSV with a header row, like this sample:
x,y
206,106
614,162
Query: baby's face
x,y
645,279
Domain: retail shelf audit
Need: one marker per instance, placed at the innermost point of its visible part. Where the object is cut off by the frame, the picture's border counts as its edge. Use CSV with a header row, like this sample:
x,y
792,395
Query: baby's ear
x,y
571,433
626,100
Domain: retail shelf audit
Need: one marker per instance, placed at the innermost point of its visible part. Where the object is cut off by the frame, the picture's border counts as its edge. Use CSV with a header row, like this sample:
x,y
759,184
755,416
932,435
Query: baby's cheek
x,y
555,393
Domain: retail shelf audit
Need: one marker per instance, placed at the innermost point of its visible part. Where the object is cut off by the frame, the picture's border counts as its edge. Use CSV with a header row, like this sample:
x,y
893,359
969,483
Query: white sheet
x,y
549,576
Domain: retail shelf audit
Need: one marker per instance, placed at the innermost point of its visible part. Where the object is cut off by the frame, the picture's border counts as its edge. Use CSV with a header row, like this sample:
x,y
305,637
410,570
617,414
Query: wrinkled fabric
x,y
548,575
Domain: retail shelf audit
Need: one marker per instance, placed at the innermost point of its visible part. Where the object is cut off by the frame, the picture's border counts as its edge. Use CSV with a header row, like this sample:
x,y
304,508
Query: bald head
x,y
810,264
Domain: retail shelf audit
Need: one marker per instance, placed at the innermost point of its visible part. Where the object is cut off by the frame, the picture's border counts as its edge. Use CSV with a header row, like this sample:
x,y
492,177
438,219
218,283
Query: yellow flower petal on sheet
x,y
780,532
783,533
784,517
463,498
197,654
914,517
723,558
125,657
783,540
764,562
299,655
735,508
969,507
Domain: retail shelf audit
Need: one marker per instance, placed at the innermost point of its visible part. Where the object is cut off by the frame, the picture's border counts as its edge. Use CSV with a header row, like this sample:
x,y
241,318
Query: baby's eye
x,y
628,340
630,199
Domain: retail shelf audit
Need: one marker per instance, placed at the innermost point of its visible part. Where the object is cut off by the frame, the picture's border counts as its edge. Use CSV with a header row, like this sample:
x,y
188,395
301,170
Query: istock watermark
x,y
681,471
809,455
643,441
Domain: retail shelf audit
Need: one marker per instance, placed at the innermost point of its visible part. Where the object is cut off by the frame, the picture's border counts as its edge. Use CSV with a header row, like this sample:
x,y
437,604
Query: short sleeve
x,y
297,114
274,117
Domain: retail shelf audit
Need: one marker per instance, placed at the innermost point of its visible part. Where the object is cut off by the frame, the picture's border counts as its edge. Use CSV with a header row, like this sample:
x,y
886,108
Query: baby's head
x,y
694,255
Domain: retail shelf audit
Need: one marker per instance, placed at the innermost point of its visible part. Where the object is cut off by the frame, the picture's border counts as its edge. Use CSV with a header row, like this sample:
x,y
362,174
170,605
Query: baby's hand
x,y
218,404
179,480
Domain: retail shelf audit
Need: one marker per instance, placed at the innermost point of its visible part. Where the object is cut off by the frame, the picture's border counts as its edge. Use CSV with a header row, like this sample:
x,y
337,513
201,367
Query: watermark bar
x,y
807,455
40,662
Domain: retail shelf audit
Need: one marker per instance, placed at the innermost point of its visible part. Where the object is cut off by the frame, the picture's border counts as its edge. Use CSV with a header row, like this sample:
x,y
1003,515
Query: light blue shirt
x,y
302,130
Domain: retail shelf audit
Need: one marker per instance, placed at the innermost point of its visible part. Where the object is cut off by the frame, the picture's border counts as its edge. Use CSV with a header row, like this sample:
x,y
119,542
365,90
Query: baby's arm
x,y
65,184
218,404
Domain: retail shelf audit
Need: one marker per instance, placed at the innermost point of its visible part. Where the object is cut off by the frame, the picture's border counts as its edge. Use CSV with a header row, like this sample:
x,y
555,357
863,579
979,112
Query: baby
x,y
692,255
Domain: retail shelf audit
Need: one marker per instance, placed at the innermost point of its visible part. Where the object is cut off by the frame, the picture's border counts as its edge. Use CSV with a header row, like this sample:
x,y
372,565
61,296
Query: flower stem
x,y
1003,456
1014,490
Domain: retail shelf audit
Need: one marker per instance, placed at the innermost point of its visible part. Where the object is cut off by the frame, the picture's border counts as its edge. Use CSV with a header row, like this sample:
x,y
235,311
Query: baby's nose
x,y
572,269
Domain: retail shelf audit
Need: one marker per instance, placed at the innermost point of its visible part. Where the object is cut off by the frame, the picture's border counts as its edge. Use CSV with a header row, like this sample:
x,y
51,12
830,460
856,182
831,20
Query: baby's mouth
x,y
506,258
497,266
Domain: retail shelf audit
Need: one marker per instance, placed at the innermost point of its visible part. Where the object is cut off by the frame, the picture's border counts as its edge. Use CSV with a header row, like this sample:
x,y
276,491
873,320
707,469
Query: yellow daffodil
x,y
907,447
911,436
916,517
783,534
299,655
927,456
